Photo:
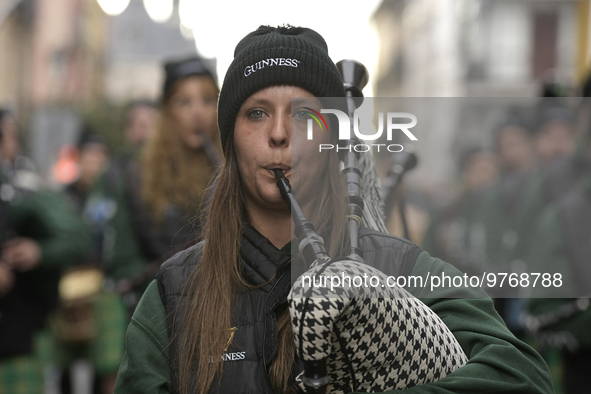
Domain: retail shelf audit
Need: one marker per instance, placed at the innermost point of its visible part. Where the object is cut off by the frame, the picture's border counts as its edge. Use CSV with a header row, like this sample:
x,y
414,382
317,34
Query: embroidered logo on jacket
x,y
232,331
234,356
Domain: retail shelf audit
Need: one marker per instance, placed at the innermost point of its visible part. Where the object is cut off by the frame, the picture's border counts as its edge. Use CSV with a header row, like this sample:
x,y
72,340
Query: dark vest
x,y
254,324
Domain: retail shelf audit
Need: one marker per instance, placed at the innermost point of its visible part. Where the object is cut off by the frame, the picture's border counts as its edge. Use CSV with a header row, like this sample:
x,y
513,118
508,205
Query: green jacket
x,y
46,218
64,240
498,363
551,253
131,238
108,210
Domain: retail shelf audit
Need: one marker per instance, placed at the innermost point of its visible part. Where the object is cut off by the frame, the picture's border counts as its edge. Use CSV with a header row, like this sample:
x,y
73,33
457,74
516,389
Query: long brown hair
x,y
212,286
172,173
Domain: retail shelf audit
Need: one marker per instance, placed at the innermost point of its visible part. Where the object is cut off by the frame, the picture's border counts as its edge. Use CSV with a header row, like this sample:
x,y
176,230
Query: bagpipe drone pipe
x,y
359,338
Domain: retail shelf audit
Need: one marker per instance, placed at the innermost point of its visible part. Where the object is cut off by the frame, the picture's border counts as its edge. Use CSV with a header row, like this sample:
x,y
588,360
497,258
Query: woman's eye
x,y
208,100
302,115
182,102
256,114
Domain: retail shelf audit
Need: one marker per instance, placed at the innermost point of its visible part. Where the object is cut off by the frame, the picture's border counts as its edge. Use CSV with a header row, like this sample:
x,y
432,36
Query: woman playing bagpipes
x,y
216,319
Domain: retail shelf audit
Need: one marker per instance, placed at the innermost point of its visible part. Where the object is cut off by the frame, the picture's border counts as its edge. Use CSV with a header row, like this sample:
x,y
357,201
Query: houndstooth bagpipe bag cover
x,y
374,338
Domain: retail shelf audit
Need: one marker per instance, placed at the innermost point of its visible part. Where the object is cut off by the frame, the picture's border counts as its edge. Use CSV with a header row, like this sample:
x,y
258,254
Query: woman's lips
x,y
282,167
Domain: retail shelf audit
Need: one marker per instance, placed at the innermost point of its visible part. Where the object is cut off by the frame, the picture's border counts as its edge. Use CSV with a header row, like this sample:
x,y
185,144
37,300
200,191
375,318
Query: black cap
x,y
272,56
176,70
88,137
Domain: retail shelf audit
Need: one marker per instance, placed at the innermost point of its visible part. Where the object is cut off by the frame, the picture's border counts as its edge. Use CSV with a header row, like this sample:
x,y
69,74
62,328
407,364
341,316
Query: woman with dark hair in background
x,y
178,161
160,193
216,318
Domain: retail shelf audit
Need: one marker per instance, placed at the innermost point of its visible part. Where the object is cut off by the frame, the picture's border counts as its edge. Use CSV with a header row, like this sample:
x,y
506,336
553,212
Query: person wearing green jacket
x,y
499,362
560,316
217,319
41,236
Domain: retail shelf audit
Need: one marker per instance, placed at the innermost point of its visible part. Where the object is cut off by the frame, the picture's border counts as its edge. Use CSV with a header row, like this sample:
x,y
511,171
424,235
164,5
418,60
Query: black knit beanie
x,y
179,69
272,56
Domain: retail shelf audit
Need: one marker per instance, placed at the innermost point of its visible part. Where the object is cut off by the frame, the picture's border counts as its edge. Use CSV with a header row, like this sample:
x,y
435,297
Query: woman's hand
x,y
22,253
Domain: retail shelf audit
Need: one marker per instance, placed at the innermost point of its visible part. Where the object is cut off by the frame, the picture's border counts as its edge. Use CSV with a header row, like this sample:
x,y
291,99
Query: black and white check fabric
x,y
374,338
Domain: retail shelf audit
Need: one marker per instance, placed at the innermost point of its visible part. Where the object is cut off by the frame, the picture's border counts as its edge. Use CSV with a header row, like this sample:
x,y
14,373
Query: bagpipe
x,y
359,338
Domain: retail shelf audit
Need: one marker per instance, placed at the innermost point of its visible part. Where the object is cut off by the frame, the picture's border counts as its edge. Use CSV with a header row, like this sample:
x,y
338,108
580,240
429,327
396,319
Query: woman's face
x,y
555,140
482,170
140,124
515,148
192,109
266,130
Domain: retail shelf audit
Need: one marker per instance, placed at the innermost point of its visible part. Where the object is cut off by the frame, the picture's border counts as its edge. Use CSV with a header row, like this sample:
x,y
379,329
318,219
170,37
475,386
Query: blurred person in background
x,y
116,252
40,236
559,168
139,123
539,170
166,185
179,161
93,157
500,209
140,117
555,133
148,208
504,213
458,232
514,145
106,209
562,244
88,329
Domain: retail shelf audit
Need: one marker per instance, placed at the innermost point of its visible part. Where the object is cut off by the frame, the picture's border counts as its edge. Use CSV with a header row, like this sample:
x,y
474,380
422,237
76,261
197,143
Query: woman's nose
x,y
281,131
197,109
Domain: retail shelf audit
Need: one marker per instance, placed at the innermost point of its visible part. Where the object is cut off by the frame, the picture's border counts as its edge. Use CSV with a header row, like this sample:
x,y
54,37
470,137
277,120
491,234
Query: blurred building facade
x,y
52,52
60,59
16,37
475,48
479,47
137,47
